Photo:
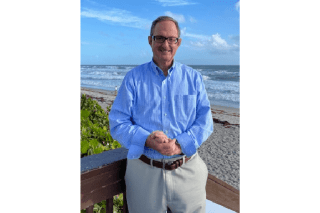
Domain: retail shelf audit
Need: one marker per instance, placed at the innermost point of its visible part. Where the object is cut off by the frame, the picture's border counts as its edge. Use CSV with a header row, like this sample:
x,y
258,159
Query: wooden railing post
x,y
109,205
125,204
89,209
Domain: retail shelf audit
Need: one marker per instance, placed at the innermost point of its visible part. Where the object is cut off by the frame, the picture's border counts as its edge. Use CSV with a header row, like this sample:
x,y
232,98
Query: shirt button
x,y
166,131
164,97
165,114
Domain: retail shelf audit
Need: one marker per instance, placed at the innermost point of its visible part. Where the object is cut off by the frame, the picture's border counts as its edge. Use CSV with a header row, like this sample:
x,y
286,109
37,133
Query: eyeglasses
x,y
161,39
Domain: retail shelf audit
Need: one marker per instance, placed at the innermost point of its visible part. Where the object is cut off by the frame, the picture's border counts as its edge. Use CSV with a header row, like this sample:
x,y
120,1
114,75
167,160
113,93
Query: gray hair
x,y
164,18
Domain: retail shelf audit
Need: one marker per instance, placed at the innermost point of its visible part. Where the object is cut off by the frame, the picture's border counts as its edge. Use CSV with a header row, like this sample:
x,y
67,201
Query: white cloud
x,y
218,42
237,6
117,16
171,3
214,43
197,43
192,20
196,36
179,18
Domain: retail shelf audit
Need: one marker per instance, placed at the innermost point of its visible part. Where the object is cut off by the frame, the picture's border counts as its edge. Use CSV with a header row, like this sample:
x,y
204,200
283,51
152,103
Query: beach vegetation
x,y
95,130
101,207
95,139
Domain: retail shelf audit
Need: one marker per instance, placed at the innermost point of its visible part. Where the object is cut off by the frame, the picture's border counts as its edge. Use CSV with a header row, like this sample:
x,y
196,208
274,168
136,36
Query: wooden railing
x,y
102,177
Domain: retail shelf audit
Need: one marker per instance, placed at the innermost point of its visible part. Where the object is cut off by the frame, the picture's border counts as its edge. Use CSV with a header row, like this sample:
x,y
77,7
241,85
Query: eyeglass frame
x,y
165,38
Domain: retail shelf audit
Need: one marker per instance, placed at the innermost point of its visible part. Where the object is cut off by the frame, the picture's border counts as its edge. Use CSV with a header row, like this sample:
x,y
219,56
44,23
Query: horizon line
x,y
140,64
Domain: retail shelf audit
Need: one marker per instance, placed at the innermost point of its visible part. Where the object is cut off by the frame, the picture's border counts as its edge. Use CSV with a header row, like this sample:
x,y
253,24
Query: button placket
x,y
164,102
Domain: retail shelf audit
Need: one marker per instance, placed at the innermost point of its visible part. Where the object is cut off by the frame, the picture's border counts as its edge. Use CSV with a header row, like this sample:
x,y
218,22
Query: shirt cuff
x,y
135,152
187,144
137,144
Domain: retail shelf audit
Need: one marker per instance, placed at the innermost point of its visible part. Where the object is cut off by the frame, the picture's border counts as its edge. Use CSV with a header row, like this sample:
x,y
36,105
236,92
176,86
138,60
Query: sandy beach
x,y
221,151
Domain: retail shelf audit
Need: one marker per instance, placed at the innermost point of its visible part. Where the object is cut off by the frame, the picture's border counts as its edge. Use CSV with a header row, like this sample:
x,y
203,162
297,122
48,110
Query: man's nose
x,y
165,43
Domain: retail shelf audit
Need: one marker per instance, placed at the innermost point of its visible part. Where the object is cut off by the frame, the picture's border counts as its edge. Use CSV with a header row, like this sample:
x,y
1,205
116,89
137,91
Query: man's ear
x,y
179,42
150,40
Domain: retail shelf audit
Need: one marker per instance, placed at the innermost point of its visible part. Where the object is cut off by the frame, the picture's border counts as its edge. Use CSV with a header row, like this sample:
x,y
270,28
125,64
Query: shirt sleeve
x,y
202,127
122,127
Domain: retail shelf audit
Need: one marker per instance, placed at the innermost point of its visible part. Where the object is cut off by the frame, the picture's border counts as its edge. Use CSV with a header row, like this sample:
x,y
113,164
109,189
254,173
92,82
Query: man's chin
x,y
166,57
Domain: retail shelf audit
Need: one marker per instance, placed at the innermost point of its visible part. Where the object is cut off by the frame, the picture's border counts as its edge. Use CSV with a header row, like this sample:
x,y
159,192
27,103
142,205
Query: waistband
x,y
168,164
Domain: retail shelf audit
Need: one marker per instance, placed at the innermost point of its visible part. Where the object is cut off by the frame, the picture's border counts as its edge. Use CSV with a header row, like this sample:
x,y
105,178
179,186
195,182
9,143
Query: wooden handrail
x,y
102,177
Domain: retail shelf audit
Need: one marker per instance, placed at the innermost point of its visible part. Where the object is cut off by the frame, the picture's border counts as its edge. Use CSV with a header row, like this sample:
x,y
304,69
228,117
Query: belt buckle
x,y
170,163
164,164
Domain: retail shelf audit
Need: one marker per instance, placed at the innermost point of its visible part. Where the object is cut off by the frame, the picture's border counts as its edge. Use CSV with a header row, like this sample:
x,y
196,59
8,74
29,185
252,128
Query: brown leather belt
x,y
174,165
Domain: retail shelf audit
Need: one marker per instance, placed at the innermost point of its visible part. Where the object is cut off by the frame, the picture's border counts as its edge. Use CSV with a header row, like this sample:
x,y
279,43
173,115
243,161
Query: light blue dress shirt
x,y
176,104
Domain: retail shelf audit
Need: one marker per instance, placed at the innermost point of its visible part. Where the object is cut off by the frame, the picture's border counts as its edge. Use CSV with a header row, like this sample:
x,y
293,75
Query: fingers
x,y
169,149
159,134
164,145
160,140
160,137
173,140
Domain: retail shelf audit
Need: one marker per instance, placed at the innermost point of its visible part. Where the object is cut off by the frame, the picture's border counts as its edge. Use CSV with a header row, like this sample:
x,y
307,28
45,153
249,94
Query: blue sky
x,y
116,32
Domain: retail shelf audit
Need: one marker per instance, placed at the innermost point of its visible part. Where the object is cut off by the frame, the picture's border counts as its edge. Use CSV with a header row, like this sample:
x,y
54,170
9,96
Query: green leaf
x,y
90,151
84,146
98,149
109,138
84,114
93,143
116,144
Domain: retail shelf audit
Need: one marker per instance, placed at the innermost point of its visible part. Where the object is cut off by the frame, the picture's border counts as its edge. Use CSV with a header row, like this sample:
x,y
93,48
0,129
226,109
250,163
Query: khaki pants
x,y
151,189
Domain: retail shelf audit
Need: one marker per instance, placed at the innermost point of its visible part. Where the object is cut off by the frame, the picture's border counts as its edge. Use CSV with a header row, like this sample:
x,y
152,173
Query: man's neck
x,y
164,66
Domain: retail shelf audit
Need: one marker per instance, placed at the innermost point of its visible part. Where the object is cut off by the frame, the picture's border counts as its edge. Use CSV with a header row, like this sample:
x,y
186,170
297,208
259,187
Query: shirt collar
x,y
157,69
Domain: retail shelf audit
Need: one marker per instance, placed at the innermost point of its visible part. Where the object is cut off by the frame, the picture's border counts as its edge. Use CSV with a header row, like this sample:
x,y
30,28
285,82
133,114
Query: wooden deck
x,y
102,177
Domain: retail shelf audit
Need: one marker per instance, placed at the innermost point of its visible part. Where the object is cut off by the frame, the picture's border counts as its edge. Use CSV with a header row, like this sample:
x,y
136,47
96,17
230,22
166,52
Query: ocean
x,y
221,81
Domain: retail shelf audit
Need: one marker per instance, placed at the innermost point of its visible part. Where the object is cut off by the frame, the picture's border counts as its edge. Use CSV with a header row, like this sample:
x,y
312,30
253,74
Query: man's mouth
x,y
165,51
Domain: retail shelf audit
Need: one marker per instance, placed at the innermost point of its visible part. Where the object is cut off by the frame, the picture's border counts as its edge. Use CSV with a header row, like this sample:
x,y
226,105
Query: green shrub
x,y
95,131
101,207
96,138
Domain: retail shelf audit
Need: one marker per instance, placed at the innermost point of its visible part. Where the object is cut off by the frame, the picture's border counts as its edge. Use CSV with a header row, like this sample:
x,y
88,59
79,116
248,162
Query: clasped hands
x,y
157,140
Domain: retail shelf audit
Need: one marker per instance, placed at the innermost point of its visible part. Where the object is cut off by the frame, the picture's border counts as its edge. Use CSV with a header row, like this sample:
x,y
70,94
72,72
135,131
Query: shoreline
x,y
111,92
221,113
220,151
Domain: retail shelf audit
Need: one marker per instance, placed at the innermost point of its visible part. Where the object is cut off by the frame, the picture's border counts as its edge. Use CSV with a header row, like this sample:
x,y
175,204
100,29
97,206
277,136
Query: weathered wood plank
x,y
94,180
108,157
103,193
223,194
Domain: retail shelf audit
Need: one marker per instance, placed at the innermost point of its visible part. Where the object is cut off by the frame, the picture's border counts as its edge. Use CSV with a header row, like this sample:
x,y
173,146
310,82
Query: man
x,y
162,115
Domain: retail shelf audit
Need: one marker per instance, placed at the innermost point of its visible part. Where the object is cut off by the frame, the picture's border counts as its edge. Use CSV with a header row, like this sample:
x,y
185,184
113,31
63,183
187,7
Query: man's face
x,y
164,52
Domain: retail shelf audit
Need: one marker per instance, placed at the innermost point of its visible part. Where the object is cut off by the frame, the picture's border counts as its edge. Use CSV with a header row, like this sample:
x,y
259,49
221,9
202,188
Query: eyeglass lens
x,y
161,39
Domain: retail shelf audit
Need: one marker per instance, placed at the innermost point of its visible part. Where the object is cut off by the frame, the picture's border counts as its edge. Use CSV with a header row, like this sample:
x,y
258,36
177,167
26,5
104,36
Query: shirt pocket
x,y
185,107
